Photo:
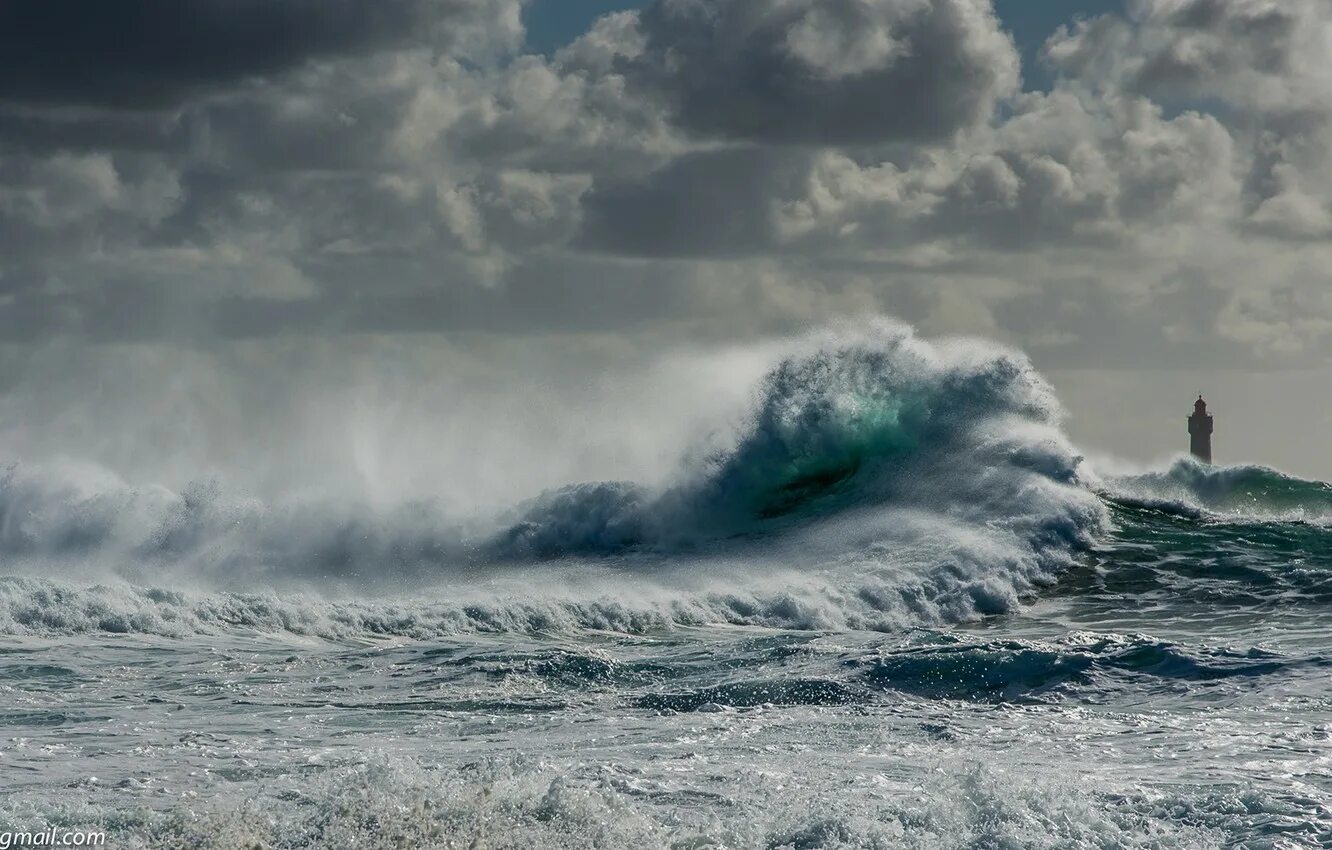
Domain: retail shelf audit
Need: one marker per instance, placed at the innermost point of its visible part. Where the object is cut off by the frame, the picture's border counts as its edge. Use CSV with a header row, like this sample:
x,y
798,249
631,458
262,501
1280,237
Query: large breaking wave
x,y
878,480
877,419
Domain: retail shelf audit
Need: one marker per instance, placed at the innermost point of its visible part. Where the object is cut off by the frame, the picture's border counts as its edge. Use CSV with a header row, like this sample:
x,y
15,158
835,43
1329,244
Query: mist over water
x,y
868,479
852,589
470,423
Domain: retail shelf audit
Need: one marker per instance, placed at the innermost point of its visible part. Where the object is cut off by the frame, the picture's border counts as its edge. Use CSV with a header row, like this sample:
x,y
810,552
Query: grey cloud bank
x,y
197,176
148,53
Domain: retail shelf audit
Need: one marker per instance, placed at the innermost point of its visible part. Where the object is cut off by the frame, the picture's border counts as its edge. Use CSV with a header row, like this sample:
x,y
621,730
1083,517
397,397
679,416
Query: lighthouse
x,y
1200,432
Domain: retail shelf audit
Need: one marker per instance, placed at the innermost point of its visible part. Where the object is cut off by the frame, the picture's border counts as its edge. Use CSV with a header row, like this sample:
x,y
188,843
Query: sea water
x,y
896,608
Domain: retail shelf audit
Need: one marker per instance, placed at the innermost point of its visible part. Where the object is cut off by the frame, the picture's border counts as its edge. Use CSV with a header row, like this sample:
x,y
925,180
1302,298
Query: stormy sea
x,y
890,605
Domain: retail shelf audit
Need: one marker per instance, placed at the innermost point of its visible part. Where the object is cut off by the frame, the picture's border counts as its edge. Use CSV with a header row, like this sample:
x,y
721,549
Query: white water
x,y
887,607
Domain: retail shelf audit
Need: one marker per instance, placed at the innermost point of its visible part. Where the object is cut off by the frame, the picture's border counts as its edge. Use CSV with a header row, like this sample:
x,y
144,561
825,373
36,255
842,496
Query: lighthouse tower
x,y
1200,432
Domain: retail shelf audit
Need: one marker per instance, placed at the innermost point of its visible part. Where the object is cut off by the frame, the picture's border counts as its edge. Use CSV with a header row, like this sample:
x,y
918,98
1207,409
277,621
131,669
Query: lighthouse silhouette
x,y
1200,431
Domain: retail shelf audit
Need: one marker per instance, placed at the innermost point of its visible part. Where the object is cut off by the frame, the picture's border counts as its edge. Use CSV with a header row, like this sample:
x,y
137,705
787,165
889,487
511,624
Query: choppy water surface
x,y
898,611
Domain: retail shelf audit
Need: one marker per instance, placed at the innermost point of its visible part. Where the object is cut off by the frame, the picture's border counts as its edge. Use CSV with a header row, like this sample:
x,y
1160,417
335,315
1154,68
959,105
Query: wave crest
x,y
1241,493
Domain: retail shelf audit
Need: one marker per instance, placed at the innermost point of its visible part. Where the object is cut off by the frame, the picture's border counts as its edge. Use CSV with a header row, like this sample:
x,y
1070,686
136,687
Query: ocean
x,y
892,607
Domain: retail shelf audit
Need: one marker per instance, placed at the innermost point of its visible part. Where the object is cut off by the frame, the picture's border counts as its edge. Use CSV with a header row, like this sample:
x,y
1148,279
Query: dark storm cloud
x,y
154,53
827,72
37,131
708,204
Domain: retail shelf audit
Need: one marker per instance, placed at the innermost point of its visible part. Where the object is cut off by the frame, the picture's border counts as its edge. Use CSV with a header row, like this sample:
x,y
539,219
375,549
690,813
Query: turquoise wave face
x,y
822,421
877,418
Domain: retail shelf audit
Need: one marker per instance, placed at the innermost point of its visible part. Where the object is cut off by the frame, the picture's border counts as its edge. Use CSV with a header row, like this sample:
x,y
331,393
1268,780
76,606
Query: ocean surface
x,y
894,607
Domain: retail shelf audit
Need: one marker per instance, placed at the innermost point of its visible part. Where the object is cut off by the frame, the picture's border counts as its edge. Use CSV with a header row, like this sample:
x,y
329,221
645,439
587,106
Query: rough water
x,y
892,607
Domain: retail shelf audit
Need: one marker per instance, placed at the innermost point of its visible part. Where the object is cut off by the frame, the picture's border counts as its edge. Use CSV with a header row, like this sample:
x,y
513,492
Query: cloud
x,y
1064,169
1260,64
1069,170
712,203
831,72
154,53
693,167
1256,54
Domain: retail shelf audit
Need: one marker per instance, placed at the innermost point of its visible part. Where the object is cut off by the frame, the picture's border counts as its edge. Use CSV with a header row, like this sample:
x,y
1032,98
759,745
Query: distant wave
x,y
946,665
1241,493
879,480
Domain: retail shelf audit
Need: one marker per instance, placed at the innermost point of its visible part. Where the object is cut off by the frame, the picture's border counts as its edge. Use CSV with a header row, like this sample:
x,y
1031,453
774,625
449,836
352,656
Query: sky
x,y
551,24
413,237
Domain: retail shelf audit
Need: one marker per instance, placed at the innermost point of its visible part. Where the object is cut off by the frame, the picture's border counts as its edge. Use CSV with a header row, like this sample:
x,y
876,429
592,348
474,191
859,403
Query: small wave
x,y
952,667
783,691
944,665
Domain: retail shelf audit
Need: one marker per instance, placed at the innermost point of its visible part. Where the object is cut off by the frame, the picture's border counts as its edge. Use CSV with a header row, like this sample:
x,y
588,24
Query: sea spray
x,y
878,481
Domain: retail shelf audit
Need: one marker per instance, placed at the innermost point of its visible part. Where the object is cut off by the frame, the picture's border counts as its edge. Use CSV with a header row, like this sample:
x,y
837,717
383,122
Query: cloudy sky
x,y
208,207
